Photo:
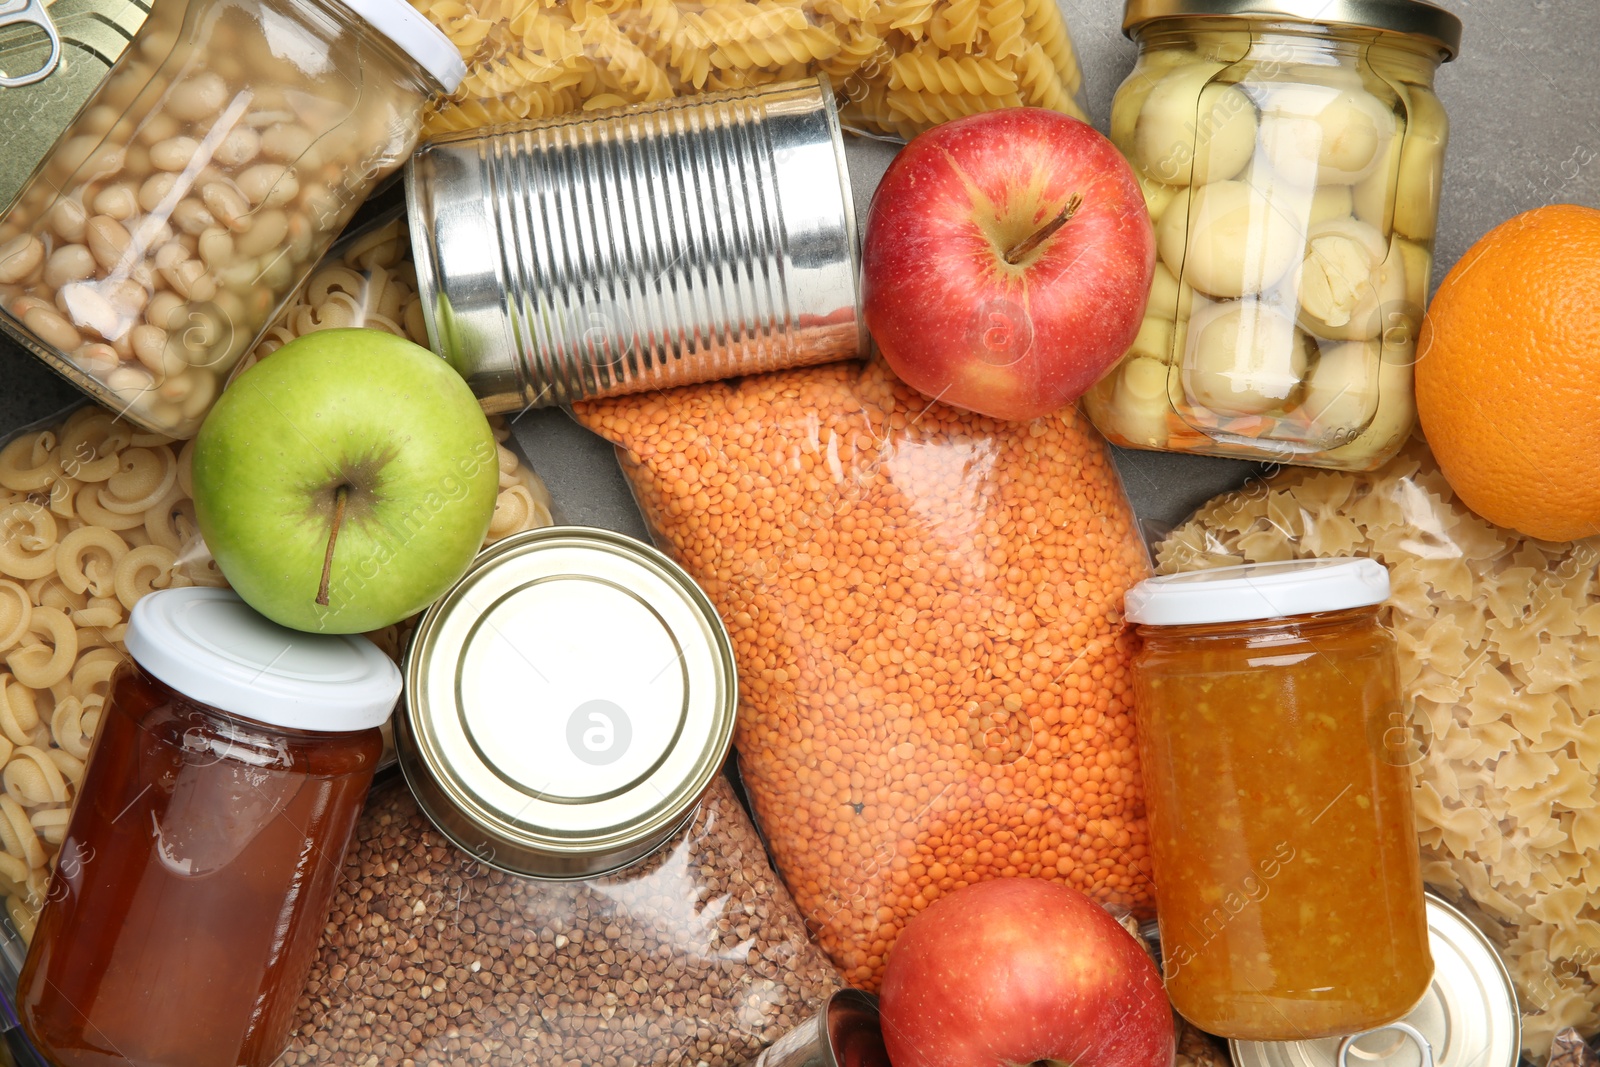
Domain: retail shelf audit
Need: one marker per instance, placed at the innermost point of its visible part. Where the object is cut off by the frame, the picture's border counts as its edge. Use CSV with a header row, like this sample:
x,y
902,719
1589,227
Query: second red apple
x,y
1007,261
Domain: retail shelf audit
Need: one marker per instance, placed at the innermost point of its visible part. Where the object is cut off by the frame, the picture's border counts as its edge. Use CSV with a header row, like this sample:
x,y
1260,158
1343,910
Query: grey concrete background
x,y
1524,103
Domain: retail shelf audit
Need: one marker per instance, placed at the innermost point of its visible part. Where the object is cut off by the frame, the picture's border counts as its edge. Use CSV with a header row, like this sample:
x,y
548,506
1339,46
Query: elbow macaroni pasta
x,y
531,59
94,516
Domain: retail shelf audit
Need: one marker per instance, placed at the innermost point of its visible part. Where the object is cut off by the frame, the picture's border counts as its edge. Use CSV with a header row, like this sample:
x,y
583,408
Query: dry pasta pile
x,y
899,66
1500,658
94,514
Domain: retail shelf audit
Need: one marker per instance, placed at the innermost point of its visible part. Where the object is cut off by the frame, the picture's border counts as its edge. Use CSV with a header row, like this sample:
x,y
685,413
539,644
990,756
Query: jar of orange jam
x,y
192,888
1276,755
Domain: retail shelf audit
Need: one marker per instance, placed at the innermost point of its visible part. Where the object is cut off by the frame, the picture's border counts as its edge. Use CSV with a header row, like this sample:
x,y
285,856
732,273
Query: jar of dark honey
x,y
192,887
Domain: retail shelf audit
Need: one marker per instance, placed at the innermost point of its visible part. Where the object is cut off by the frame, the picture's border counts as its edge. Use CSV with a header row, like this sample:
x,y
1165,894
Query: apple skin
x,y
953,318
354,407
1017,970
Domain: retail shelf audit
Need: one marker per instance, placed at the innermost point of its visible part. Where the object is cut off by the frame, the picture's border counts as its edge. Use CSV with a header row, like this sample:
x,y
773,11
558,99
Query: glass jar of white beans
x,y
202,183
1292,169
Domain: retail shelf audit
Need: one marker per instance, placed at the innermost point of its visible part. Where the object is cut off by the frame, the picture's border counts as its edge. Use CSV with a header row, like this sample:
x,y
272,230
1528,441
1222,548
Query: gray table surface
x,y
1524,104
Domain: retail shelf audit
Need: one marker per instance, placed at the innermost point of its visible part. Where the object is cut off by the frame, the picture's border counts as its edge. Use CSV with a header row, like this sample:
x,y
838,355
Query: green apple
x,y
345,482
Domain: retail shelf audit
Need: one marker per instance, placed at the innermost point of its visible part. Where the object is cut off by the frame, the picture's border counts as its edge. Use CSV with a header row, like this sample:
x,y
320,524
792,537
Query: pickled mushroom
x,y
1244,358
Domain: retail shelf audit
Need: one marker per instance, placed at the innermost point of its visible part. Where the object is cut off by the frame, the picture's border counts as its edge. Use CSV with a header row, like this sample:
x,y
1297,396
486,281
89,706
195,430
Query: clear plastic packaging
x,y
898,66
202,182
1499,641
1292,171
925,606
694,955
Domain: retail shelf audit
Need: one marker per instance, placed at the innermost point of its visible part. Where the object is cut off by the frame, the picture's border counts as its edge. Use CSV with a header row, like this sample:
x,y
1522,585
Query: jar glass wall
x,y
1292,172
1277,760
228,147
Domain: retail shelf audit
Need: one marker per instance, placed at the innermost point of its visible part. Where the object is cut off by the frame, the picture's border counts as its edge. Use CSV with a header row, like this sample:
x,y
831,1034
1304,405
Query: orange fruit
x,y
1508,374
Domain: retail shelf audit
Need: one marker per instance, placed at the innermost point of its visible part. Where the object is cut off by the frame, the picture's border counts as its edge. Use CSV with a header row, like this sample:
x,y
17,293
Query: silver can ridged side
x,y
639,249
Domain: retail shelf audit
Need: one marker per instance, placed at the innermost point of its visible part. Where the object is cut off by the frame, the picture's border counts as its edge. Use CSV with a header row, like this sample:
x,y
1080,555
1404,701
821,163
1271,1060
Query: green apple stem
x,y
333,536
1014,255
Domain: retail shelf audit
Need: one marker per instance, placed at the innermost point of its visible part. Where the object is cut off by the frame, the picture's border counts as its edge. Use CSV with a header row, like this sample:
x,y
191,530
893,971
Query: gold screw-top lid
x,y
1412,18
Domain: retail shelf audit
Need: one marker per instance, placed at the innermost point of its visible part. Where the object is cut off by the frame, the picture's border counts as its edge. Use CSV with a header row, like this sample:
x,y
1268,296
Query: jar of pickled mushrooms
x,y
201,184
1291,156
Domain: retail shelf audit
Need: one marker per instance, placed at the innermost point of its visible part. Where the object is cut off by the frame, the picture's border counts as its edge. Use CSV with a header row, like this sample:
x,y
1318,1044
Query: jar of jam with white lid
x,y
192,887
1276,752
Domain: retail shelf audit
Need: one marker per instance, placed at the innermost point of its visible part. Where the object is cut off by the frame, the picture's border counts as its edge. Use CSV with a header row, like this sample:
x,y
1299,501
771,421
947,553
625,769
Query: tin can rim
x,y
472,827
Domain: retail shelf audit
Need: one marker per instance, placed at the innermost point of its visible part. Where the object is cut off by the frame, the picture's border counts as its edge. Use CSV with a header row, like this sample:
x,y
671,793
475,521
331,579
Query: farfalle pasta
x,y
898,65
1499,641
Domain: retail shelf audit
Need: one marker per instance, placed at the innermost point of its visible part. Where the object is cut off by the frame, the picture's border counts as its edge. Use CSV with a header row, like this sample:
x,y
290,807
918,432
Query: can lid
x,y
1413,18
1468,1015
414,35
214,648
570,698
1258,591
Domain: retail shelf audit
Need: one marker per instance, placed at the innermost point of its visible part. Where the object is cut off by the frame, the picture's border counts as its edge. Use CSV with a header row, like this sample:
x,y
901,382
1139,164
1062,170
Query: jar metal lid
x,y
1258,591
1412,18
1468,1016
569,701
215,649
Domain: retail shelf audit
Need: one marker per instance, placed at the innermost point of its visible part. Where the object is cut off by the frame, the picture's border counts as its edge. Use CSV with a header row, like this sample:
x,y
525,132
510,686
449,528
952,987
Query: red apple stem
x,y
1014,255
333,537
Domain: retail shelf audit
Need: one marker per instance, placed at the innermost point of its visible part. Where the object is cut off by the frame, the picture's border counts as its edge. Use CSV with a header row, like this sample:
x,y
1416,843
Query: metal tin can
x,y
640,248
1468,1017
569,701
845,1033
92,35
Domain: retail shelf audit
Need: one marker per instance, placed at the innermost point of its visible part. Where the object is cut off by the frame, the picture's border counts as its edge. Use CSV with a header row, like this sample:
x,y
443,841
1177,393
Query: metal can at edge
x,y
1470,1009
844,1033
640,248
93,35
542,620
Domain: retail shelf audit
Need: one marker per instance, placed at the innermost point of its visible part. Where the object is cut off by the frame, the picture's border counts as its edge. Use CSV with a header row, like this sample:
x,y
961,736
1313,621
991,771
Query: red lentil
x,y
926,609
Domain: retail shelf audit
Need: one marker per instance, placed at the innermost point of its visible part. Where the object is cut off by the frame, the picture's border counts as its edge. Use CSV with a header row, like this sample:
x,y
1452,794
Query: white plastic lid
x,y
414,35
213,648
1258,591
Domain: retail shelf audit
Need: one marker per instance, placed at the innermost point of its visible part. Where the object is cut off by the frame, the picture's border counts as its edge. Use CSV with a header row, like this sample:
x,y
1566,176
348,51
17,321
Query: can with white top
x,y
569,702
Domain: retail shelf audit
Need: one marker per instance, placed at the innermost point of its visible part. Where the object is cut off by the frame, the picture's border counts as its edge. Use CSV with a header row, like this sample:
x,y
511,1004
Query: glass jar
x,y
194,881
201,184
1276,758
1292,169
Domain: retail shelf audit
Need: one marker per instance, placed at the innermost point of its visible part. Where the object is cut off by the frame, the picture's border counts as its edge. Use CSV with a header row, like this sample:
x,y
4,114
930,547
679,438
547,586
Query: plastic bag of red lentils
x,y
925,607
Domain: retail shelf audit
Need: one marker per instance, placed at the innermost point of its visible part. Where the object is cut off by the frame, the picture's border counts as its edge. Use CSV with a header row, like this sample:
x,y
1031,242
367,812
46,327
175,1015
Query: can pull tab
x,y
1407,1029
16,11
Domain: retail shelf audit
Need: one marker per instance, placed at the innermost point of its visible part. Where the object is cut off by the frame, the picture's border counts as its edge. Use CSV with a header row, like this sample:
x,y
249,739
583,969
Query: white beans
x,y
171,219
69,263
226,204
175,153
269,184
197,97
20,257
108,240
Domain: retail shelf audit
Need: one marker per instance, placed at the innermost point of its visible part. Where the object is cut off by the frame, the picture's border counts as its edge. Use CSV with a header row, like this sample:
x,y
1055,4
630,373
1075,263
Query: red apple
x,y
1007,261
1019,970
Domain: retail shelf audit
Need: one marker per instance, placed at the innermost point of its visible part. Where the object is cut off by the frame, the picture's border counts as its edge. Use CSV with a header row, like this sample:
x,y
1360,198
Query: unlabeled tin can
x,y
569,701
845,1033
639,248
1468,1017
92,36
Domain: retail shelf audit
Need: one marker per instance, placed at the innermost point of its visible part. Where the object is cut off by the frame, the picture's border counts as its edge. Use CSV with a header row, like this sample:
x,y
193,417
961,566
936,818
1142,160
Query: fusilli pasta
x,y
530,59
